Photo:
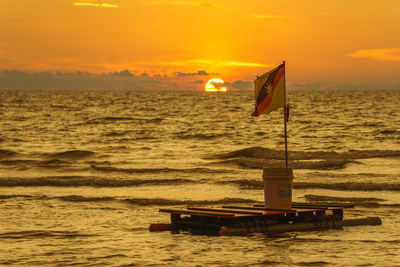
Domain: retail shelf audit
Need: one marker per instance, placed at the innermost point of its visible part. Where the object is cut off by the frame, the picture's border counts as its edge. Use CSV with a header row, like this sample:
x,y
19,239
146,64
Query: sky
x,y
324,43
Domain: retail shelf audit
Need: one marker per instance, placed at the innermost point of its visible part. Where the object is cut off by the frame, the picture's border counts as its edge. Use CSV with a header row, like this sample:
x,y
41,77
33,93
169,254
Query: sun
x,y
215,85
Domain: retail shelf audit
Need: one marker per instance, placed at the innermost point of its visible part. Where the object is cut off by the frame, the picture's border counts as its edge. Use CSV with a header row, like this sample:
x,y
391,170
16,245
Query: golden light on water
x,y
215,85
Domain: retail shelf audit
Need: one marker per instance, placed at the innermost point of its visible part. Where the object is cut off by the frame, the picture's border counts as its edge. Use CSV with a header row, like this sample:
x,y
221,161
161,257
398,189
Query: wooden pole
x,y
284,116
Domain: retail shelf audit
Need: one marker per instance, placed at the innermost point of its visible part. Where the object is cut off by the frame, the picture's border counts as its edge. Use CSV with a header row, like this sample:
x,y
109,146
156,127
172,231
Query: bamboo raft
x,y
242,220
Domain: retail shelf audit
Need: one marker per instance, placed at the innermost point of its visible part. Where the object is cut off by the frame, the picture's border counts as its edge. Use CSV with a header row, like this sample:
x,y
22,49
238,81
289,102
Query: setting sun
x,y
215,85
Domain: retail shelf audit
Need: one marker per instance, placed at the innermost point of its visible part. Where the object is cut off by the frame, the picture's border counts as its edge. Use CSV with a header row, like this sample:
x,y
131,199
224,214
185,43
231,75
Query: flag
x,y
269,91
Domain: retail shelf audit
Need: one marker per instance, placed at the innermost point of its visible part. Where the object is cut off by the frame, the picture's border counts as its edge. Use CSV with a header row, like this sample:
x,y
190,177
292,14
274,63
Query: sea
x,y
84,173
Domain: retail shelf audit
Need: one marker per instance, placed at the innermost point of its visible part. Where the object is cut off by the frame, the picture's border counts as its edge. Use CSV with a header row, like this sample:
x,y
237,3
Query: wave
x,y
373,124
76,198
5,153
69,198
141,201
116,134
351,175
368,202
305,122
253,184
41,234
350,186
53,163
362,202
157,170
318,198
94,181
112,255
16,161
387,131
107,120
110,119
118,118
312,263
59,107
271,154
256,163
73,154
172,202
378,205
184,135
76,181
244,184
146,120
14,196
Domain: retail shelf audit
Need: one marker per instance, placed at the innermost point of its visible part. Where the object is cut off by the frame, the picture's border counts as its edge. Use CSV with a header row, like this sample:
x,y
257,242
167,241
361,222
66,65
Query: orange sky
x,y
333,41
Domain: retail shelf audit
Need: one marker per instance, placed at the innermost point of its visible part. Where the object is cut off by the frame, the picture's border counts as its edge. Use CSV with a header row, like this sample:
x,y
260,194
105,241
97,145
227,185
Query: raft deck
x,y
256,218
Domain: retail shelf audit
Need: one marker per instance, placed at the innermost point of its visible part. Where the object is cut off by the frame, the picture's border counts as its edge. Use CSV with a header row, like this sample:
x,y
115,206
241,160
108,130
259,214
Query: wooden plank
x,y
316,205
336,205
226,211
310,209
197,213
321,207
258,208
297,210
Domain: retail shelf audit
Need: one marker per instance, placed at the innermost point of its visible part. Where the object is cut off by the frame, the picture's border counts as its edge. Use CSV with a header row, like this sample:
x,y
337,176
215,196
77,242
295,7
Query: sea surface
x,y
83,175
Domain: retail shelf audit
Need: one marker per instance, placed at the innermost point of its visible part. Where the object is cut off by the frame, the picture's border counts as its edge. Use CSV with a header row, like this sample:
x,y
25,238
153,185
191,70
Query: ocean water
x,y
83,175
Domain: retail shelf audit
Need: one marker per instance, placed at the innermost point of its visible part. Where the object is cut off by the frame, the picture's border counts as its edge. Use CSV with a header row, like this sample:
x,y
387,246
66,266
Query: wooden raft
x,y
239,220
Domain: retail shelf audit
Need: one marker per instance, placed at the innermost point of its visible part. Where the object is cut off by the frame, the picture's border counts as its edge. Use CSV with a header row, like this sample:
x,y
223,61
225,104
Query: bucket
x,y
278,188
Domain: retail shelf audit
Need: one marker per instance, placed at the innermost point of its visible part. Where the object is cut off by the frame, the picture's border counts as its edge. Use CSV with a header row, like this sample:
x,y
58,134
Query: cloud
x,y
123,80
131,80
19,80
202,72
240,85
199,73
383,54
116,80
269,16
95,4
122,73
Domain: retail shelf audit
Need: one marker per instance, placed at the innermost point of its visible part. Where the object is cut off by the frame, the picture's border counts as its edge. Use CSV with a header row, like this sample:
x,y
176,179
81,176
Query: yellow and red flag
x,y
269,91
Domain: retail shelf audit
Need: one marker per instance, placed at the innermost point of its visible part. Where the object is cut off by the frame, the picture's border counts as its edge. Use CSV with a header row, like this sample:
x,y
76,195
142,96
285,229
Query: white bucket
x,y
278,188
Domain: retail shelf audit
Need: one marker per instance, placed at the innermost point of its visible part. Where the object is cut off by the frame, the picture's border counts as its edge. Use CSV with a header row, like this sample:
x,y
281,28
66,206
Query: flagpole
x,y
285,116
